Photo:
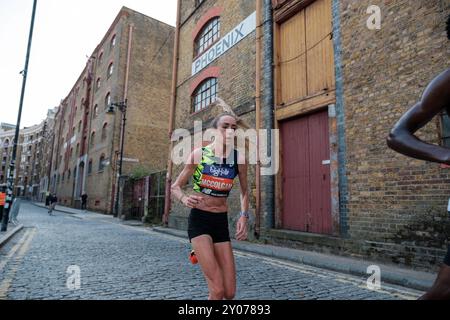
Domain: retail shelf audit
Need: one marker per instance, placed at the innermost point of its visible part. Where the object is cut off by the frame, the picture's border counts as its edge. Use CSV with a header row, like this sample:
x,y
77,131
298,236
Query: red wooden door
x,y
306,174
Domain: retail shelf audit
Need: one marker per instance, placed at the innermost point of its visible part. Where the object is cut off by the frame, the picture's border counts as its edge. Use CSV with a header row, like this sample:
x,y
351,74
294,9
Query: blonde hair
x,y
227,111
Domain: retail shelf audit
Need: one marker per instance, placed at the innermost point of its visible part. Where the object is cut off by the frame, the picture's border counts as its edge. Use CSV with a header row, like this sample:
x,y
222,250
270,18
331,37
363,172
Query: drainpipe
x,y
172,114
258,117
116,181
268,182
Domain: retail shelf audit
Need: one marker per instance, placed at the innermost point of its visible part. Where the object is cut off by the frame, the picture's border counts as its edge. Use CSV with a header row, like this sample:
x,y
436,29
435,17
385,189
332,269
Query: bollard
x,y
2,205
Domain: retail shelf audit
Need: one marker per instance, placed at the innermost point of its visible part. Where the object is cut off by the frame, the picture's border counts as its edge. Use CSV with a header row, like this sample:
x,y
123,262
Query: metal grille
x,y
205,94
209,34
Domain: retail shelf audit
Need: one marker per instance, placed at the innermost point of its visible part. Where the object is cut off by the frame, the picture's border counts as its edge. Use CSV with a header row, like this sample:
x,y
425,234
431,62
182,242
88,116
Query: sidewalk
x,y
77,213
12,230
390,274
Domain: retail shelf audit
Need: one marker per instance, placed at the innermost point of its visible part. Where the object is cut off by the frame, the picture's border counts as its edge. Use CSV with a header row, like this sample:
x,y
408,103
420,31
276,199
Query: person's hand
x,y
241,229
191,201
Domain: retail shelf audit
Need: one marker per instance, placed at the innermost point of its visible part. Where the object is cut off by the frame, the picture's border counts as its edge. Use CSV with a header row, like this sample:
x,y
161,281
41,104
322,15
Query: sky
x,y
65,33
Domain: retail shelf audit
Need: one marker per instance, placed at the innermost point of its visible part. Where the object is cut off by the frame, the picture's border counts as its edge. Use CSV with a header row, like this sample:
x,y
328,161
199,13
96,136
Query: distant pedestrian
x,y
47,199
53,201
84,197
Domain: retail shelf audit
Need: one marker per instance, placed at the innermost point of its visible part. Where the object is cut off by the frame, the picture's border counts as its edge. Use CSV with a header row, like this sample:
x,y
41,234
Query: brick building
x,y
7,132
47,157
230,76
29,161
334,88
131,63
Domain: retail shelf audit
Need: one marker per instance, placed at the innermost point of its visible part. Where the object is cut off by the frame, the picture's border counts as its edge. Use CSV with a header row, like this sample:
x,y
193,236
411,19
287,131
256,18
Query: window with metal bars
x,y
101,163
110,69
107,100
205,94
445,130
207,36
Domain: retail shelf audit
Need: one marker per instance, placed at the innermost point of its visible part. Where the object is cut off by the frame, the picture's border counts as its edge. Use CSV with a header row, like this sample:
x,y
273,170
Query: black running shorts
x,y
211,223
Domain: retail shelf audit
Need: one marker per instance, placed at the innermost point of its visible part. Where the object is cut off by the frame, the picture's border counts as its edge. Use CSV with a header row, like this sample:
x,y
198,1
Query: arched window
x,y
104,131
101,163
207,36
78,149
110,69
112,44
90,166
205,94
100,58
98,83
96,111
92,138
79,126
107,100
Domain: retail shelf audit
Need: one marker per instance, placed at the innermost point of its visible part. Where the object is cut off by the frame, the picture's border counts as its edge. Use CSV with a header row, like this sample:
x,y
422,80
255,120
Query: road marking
x,y
13,250
22,248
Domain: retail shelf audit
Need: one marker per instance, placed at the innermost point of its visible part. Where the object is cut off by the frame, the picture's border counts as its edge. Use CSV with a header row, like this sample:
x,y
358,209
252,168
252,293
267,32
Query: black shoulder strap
x,y
236,161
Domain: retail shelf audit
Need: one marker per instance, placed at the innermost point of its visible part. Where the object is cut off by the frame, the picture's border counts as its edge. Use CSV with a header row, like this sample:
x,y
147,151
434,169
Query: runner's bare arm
x,y
435,99
183,179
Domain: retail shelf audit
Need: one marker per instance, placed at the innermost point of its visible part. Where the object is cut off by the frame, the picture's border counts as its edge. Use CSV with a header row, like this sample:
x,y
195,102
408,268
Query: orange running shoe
x,y
193,257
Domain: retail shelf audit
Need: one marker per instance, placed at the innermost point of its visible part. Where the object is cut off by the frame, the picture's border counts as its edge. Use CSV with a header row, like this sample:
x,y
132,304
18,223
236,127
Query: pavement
x,y
10,232
78,255
413,279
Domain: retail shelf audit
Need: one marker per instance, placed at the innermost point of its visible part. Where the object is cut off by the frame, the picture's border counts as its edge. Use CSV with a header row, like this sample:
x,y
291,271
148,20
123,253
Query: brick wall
x,y
148,101
236,85
393,200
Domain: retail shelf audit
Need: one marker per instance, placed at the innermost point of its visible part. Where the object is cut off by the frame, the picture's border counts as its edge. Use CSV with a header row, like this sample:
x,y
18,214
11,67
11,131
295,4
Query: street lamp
x,y
122,106
11,174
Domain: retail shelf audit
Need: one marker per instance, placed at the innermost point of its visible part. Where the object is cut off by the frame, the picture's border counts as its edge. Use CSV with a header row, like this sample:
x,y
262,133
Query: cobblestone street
x,y
118,261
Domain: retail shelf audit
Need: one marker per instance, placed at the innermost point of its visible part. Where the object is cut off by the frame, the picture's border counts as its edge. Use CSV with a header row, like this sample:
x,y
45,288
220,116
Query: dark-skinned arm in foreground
x,y
435,99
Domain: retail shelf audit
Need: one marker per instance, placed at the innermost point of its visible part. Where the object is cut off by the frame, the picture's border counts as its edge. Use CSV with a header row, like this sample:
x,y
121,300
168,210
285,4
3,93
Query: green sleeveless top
x,y
214,178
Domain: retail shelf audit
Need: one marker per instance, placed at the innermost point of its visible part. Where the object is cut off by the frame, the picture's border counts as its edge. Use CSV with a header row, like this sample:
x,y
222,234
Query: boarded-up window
x,y
305,53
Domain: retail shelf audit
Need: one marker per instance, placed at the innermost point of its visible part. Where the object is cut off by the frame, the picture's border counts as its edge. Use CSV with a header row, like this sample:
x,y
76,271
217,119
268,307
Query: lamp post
x,y
11,175
122,106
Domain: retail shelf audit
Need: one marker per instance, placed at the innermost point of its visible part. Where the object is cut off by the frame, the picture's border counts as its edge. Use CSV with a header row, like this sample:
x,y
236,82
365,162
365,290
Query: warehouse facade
x,y
333,87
